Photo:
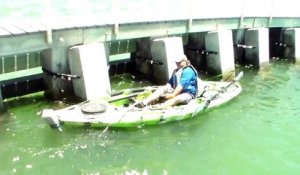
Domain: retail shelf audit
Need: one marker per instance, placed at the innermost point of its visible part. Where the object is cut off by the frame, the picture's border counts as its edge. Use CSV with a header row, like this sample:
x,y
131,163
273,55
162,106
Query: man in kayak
x,y
180,89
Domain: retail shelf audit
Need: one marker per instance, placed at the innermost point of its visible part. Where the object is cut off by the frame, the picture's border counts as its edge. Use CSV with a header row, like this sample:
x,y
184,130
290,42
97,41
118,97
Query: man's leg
x,y
156,94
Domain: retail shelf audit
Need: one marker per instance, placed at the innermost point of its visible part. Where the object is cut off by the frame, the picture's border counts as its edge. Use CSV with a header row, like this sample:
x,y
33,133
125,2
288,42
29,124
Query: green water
x,y
257,133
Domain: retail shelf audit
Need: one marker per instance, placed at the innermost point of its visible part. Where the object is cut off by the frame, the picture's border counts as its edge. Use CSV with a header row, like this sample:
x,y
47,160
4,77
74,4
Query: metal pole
x,y
241,24
190,22
49,21
115,14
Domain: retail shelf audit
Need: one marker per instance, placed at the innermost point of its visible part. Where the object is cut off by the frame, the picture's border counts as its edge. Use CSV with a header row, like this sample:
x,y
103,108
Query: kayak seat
x,y
93,107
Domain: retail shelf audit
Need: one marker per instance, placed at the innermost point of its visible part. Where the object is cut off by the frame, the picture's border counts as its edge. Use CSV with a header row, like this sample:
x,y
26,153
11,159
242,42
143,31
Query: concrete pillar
x,y
143,52
291,44
1,99
165,50
55,60
239,39
90,63
220,56
257,46
275,42
194,48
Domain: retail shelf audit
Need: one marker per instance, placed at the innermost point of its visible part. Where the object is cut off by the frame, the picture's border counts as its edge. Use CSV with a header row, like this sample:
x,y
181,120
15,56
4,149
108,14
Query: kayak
x,y
119,110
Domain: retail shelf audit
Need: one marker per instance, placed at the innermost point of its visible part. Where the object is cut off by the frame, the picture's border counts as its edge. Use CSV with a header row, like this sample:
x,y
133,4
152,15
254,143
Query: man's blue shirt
x,y
188,81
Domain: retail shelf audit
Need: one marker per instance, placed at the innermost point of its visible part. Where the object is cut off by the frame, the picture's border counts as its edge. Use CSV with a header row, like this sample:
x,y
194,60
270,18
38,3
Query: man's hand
x,y
172,94
167,96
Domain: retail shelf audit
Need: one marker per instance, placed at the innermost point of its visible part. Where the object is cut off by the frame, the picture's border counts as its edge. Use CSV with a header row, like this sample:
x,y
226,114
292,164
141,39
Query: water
x,y
106,11
125,11
257,133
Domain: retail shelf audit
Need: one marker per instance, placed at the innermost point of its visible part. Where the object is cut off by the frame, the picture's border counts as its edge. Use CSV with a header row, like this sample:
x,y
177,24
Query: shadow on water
x,y
24,100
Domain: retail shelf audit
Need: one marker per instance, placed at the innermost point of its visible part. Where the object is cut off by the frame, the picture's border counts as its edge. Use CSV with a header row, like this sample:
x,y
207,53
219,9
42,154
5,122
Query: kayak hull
x,y
114,116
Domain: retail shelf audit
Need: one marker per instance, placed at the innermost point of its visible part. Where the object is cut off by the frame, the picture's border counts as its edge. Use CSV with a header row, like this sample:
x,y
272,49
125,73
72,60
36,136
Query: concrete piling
x,y
55,60
89,62
165,50
142,54
194,48
291,44
220,55
1,100
238,40
257,46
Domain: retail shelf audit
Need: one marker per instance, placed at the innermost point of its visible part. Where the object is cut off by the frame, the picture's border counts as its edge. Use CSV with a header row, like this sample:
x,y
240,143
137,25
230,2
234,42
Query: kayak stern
x,y
49,115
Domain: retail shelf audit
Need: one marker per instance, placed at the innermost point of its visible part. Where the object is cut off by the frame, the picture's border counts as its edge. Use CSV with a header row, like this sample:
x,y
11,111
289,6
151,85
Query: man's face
x,y
180,64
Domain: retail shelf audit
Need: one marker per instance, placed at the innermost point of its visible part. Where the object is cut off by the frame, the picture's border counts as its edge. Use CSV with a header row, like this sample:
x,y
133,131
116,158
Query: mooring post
x,y
257,46
220,55
165,50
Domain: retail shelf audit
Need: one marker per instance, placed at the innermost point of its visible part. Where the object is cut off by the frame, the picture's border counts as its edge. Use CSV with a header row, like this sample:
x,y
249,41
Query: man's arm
x,y
176,92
